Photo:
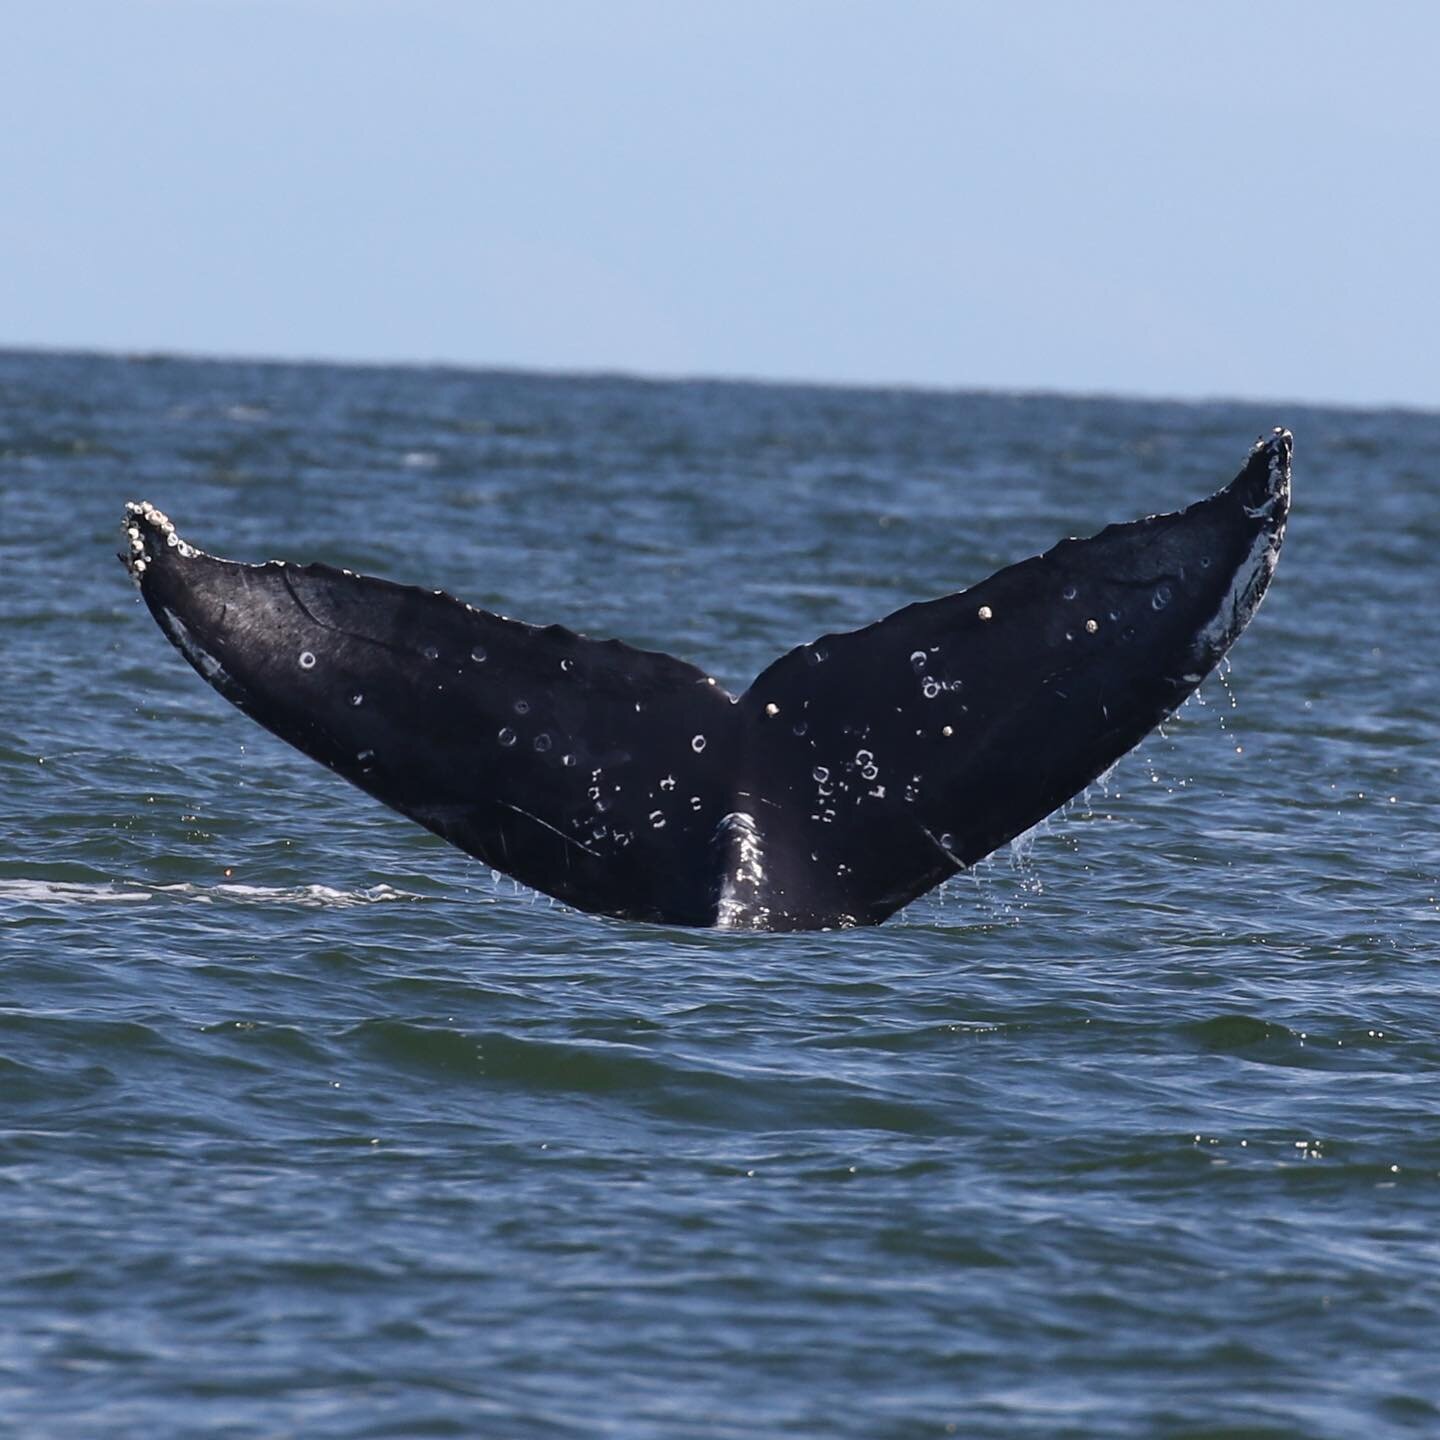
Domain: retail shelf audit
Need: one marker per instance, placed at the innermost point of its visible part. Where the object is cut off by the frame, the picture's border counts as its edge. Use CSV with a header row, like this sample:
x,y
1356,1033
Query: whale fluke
x,y
856,772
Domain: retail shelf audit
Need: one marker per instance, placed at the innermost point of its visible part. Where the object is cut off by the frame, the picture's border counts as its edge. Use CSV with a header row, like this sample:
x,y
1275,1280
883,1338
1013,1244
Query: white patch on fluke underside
x,y
739,906
1252,576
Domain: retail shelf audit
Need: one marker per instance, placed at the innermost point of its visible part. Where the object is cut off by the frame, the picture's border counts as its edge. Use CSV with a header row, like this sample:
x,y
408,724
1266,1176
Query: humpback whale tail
x,y
856,772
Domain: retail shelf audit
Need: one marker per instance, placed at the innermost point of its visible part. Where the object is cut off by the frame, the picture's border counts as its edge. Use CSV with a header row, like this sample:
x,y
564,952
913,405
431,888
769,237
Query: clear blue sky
x,y
1155,198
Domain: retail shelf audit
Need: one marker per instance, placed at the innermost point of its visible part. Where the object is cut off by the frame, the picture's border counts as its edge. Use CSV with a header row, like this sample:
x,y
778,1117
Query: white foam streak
x,y
58,892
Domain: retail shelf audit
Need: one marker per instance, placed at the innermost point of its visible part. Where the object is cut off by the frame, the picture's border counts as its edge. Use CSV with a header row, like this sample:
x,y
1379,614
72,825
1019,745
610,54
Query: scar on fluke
x,y
856,772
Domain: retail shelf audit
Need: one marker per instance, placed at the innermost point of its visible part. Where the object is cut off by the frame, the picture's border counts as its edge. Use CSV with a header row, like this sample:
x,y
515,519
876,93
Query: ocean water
x,y
309,1125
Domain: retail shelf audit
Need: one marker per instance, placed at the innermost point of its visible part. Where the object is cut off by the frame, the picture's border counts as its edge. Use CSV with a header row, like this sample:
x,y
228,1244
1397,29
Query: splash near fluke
x,y
855,774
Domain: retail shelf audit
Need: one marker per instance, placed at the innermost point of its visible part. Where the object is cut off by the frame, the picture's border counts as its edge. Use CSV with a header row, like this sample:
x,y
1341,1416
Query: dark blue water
x,y
311,1126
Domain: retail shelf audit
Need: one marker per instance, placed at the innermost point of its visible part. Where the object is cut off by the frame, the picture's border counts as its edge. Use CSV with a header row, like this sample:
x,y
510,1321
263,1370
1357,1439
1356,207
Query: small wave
x,y
675,1087
313,896
108,892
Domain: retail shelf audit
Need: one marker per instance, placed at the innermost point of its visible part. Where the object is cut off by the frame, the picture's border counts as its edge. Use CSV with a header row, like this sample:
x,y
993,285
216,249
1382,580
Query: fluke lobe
x,y
856,773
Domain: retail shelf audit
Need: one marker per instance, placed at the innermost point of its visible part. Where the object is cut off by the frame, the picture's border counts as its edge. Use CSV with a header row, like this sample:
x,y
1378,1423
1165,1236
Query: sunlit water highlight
x,y
312,1126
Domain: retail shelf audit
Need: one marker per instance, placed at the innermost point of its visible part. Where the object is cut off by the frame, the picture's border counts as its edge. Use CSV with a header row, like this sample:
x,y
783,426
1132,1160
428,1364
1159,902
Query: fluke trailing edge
x,y
856,773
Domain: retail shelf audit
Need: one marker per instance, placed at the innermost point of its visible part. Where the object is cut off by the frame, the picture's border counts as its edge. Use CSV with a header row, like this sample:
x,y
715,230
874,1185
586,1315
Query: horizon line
x,y
160,354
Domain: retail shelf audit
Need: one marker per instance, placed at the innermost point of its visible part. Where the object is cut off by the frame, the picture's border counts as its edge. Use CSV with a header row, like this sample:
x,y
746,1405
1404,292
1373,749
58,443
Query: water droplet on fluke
x,y
307,660
478,654
507,736
698,744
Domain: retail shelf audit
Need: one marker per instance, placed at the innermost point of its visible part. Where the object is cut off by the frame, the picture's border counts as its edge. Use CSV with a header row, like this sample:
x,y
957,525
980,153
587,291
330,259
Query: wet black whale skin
x,y
865,767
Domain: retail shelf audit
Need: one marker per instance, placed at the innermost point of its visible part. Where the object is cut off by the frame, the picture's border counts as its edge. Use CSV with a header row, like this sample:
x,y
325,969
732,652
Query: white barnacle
x,y
1091,626
985,612
772,709
947,731
657,819
307,660
698,744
